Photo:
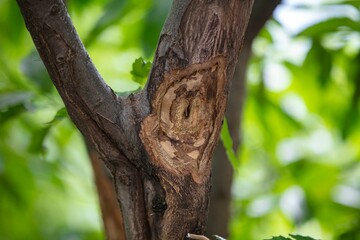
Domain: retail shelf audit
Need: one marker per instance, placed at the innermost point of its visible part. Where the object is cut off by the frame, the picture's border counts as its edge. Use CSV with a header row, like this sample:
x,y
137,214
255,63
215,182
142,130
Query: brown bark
x,y
111,213
220,200
158,142
222,177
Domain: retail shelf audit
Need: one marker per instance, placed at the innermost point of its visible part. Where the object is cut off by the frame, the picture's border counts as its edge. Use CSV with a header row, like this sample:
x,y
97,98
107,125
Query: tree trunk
x,y
110,211
219,212
158,142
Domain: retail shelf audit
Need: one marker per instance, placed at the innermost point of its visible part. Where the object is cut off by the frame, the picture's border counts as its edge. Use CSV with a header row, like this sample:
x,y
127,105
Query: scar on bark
x,y
187,109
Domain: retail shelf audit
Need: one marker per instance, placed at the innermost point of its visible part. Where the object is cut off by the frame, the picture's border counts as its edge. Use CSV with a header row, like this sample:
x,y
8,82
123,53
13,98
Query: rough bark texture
x,y
222,177
219,212
158,142
111,213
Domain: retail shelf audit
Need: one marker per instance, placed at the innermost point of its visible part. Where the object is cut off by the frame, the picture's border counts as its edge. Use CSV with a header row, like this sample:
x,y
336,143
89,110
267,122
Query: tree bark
x,y
158,142
220,200
110,211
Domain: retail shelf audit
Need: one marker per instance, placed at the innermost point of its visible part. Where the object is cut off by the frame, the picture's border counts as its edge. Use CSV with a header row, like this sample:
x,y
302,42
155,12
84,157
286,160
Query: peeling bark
x,y
158,142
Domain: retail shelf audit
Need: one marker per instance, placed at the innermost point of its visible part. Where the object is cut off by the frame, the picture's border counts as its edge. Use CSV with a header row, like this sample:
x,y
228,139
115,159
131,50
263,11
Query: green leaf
x,y
60,115
279,238
350,121
318,54
299,237
355,3
293,237
140,70
11,113
228,145
330,25
37,140
351,117
264,33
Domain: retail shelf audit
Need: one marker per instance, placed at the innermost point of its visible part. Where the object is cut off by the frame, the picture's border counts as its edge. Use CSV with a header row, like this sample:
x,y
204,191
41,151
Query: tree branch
x,y
90,102
111,213
87,97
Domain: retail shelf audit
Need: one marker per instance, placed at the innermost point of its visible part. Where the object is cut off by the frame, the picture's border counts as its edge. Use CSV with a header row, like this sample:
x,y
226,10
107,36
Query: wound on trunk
x,y
187,109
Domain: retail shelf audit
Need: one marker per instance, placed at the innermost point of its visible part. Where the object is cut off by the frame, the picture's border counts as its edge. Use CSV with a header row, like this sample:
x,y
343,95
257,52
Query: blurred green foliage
x,y
299,167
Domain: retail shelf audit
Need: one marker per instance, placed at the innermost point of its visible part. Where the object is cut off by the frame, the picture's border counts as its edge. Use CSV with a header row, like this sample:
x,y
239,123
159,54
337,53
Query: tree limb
x,y
90,102
87,97
111,213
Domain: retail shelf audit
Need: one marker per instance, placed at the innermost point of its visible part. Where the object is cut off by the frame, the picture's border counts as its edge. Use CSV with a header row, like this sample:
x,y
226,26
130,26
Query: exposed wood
x,y
158,142
179,133
196,33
